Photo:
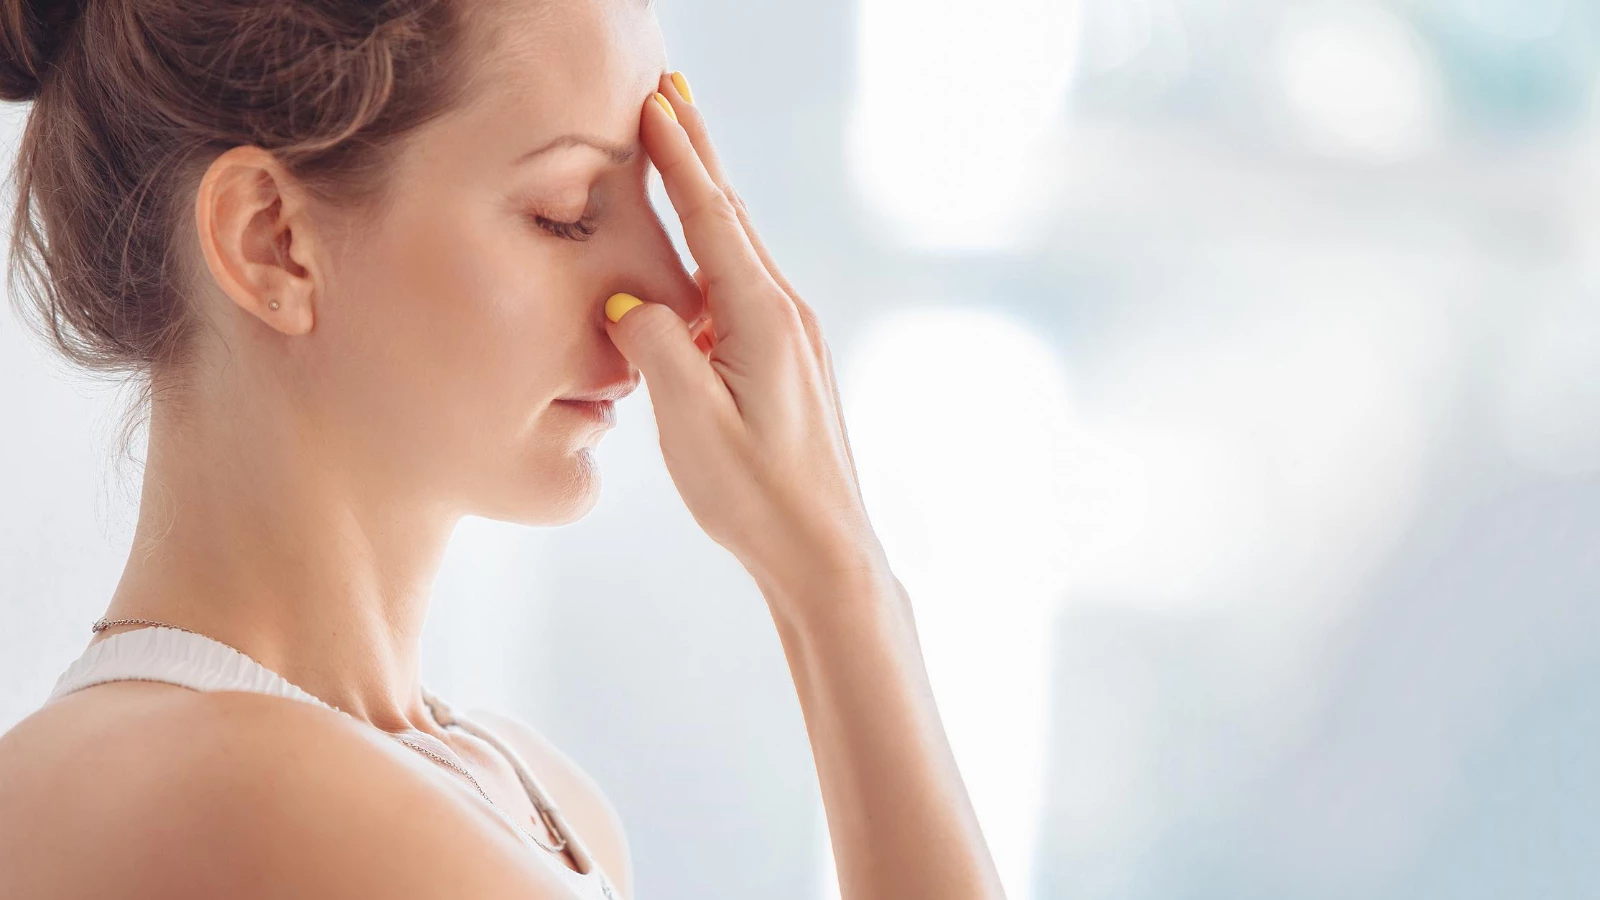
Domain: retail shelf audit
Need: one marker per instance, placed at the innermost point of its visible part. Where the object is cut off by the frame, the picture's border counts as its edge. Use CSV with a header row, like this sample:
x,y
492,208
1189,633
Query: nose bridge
x,y
646,263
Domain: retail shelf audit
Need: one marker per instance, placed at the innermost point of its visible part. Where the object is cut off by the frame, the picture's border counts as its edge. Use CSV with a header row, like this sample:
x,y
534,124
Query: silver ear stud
x,y
272,305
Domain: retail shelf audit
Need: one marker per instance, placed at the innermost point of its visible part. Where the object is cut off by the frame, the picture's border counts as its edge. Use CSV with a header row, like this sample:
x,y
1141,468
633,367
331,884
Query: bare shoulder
x,y
580,798
164,792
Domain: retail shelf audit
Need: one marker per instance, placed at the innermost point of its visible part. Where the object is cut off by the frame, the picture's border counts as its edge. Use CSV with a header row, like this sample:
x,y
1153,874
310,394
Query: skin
x,y
313,468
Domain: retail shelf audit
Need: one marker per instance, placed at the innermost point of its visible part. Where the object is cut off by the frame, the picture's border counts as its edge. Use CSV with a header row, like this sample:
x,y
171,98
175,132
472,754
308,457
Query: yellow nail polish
x,y
682,84
619,304
666,105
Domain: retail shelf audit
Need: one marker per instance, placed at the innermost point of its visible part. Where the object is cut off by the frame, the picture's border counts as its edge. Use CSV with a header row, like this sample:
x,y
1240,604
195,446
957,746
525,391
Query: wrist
x,y
833,591
817,562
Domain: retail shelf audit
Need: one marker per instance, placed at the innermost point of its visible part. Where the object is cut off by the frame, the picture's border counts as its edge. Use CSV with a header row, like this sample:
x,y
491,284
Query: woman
x,y
379,265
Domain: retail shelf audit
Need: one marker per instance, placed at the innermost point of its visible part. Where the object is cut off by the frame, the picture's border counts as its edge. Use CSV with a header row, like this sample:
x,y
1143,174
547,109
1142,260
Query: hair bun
x,y
31,33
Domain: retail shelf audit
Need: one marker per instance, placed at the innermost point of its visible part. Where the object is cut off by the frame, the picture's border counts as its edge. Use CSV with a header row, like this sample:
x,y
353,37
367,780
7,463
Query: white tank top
x,y
194,661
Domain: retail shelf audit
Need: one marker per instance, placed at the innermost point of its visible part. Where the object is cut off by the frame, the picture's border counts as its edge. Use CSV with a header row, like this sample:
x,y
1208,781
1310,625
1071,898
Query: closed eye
x,y
580,230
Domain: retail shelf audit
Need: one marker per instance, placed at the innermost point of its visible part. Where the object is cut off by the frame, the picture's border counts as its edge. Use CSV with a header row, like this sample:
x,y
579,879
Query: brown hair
x,y
132,99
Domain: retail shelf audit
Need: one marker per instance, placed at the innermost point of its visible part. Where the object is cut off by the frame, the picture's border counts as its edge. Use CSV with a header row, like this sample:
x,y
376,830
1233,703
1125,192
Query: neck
x,y
307,567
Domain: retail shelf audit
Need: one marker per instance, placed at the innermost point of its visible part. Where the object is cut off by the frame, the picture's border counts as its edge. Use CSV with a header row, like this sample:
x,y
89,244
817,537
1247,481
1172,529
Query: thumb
x,y
655,339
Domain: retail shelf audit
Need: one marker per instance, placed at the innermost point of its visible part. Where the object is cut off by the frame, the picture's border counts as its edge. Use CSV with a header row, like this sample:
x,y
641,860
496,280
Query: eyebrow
x,y
617,153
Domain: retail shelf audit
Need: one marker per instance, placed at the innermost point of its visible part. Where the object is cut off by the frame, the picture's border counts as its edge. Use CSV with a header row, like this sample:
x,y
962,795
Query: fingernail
x,y
682,84
666,105
619,304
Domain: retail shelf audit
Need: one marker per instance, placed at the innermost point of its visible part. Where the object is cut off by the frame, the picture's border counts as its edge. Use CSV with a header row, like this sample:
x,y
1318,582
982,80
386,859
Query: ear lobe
x,y
255,236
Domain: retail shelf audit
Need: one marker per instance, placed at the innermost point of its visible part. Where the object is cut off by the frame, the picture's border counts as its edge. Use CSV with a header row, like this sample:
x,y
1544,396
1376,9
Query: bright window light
x,y
958,420
1357,82
956,103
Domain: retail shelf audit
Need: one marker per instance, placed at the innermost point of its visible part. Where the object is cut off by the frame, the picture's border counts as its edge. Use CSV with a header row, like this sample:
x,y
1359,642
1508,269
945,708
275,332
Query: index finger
x,y
717,240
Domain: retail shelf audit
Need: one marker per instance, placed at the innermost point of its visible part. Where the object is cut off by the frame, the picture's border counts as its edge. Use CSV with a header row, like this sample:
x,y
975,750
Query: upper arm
x,y
260,798
579,797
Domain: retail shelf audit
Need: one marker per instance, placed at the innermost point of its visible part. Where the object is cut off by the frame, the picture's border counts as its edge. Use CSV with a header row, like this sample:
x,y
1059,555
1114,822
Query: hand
x,y
748,410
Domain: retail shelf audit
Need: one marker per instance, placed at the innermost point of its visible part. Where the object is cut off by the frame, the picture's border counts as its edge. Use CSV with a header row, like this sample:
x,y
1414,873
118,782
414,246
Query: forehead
x,y
555,66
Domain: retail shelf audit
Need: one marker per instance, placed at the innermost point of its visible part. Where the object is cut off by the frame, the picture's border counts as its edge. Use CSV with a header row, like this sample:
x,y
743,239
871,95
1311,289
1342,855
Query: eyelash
x,y
580,230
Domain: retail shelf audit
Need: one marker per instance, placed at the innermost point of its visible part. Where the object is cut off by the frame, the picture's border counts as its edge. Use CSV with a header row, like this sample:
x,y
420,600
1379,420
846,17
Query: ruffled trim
x,y
174,657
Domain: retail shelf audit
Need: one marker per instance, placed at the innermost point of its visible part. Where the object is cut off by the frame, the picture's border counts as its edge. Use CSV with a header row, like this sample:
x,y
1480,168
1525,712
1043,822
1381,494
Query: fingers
x,y
656,340
694,125
711,227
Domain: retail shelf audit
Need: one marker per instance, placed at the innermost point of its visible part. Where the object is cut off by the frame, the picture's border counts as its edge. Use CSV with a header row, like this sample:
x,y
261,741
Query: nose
x,y
644,262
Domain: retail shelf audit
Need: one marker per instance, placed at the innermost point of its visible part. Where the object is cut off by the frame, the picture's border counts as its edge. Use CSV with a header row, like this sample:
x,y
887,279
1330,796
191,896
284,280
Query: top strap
x,y
192,660
174,657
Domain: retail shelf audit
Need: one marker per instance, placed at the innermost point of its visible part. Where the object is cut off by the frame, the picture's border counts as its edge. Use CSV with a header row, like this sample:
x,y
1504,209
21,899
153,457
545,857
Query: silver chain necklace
x,y
103,623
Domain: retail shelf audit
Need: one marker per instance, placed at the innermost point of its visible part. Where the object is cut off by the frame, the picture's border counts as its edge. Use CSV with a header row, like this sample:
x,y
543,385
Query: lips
x,y
614,391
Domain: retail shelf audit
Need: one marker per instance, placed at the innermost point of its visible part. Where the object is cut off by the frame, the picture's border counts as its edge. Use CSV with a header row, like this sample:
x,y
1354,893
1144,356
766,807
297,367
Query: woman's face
x,y
452,327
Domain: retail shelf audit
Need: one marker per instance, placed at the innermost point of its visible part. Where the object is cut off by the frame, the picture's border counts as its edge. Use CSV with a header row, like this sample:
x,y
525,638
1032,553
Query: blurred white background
x,y
1225,380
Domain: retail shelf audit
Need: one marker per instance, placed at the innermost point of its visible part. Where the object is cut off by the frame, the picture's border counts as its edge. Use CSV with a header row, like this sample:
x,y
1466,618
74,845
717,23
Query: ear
x,y
254,226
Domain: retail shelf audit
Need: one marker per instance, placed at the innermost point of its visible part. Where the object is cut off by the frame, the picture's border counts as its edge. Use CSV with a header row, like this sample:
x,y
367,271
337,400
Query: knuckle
x,y
807,314
734,198
808,320
670,166
732,275
716,207
795,327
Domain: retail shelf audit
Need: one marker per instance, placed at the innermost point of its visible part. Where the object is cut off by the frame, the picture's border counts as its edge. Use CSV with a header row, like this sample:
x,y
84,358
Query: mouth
x,y
609,392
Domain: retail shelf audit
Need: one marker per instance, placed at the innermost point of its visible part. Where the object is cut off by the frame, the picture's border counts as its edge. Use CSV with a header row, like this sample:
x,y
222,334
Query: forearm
x,y
901,822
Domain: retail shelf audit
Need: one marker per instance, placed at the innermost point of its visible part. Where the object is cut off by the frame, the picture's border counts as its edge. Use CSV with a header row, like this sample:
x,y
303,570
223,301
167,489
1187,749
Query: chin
x,y
557,498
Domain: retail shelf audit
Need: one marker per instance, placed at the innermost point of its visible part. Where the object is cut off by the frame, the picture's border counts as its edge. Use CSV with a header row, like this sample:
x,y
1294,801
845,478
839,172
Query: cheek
x,y
477,321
